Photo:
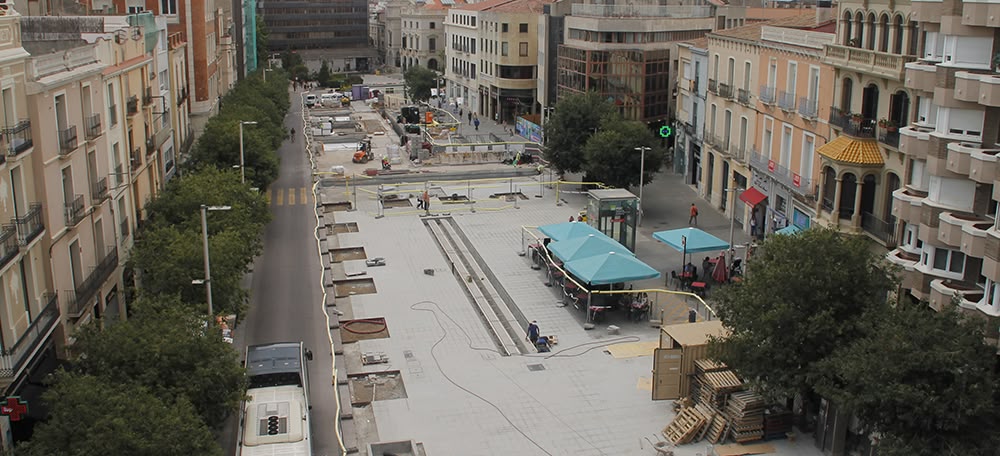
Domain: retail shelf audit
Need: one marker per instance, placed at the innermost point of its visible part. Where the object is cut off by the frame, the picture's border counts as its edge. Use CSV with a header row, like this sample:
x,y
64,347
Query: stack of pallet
x,y
745,412
777,423
691,425
715,387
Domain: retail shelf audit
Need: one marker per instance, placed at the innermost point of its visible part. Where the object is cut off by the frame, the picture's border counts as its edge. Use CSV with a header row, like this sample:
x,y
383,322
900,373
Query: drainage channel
x,y
492,309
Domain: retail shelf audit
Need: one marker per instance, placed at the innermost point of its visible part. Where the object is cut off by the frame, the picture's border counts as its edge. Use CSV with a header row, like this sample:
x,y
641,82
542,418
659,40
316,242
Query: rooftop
x,y
507,6
752,32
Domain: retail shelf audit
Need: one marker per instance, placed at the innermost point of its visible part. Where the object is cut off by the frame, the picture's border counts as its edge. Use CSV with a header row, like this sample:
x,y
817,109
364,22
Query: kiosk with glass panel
x,y
613,212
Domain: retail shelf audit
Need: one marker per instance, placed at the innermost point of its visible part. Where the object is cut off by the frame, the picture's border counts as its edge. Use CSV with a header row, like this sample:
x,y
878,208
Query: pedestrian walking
x,y
427,201
476,123
460,112
420,202
533,332
693,219
470,117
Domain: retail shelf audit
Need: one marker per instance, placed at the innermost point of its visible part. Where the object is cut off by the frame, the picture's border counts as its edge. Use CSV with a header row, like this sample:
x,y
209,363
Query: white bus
x,y
274,419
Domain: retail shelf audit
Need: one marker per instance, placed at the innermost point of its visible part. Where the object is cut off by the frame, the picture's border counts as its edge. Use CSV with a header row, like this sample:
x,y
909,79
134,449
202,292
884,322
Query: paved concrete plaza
x,y
462,396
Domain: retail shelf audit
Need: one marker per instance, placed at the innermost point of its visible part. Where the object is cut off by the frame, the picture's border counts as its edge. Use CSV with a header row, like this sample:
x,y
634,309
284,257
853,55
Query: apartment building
x,y
863,163
692,95
388,27
493,53
792,124
30,310
422,41
179,100
946,208
622,51
339,27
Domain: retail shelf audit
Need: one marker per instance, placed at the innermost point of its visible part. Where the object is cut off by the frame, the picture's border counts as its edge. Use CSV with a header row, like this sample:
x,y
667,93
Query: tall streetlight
x,y
204,240
642,176
243,173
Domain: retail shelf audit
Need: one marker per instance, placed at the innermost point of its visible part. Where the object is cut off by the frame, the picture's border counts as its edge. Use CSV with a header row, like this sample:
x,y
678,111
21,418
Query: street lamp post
x,y
642,177
243,174
266,70
204,240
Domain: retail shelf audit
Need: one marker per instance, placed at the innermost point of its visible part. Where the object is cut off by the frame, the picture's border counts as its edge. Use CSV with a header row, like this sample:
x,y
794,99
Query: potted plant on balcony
x,y
888,125
996,62
856,116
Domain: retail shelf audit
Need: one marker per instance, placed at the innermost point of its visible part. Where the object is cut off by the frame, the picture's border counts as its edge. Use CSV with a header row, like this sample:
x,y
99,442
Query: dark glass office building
x,y
298,24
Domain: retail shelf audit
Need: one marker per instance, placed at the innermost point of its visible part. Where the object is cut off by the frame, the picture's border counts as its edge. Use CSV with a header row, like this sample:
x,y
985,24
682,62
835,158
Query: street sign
x,y
666,131
14,408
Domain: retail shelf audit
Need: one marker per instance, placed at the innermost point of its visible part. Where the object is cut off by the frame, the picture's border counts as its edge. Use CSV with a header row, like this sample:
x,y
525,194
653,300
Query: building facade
x,y
339,24
462,57
791,125
422,41
692,95
623,52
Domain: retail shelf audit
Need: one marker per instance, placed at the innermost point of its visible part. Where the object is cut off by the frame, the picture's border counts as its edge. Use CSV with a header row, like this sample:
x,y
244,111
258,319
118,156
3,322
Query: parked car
x,y
311,100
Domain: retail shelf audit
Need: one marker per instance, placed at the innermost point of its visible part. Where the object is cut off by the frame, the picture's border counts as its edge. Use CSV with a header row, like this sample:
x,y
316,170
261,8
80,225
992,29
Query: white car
x,y
311,100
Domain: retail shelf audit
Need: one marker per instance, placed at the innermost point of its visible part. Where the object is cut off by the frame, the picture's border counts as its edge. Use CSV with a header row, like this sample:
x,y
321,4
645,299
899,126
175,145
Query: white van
x,y
310,100
329,99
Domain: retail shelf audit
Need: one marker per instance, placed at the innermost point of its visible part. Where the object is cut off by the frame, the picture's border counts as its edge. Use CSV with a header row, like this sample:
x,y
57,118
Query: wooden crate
x,y
685,426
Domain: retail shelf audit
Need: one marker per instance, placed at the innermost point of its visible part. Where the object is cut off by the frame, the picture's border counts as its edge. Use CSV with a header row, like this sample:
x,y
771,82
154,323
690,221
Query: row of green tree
x,y
812,319
587,133
163,380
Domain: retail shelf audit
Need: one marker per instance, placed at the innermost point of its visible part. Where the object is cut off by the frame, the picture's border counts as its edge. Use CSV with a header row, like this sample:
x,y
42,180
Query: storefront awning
x,y
846,149
752,196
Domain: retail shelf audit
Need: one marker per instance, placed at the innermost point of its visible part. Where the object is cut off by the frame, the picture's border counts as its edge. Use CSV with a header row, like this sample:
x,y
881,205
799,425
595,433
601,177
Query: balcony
x,y
726,91
8,244
99,191
960,157
182,96
786,101
944,291
136,161
67,140
768,95
884,231
738,152
150,146
875,63
81,298
147,97
132,105
852,124
801,185
921,75
74,211
983,165
14,360
965,232
713,86
120,175
18,138
743,97
30,225
889,136
808,109
124,228
93,123
914,140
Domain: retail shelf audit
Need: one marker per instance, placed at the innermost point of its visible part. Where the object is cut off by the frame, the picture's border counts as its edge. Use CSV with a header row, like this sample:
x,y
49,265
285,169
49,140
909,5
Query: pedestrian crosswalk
x,y
290,196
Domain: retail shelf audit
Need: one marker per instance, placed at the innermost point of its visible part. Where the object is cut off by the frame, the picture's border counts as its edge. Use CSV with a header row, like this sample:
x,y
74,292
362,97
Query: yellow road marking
x,y
279,194
304,195
291,197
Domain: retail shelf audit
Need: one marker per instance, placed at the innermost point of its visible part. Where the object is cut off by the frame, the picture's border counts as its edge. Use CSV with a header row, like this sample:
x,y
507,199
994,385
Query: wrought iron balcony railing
x,y
93,126
713,86
74,211
30,225
136,161
147,97
852,124
884,231
726,91
889,136
808,109
132,105
80,298
8,244
768,95
743,96
99,191
786,101
18,137
16,358
67,140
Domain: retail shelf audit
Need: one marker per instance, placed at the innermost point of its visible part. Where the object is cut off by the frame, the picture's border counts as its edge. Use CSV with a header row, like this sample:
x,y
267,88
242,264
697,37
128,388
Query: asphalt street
x,y
286,303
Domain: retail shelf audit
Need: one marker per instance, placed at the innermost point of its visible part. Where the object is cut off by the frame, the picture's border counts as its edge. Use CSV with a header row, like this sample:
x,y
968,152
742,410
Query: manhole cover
x,y
536,367
408,354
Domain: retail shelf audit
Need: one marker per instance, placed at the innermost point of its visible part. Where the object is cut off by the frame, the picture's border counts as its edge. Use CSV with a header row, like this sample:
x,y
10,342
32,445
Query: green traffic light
x,y
665,131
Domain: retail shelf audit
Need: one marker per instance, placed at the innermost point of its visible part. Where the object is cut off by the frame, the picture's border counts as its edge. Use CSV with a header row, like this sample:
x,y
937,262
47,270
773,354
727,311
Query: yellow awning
x,y
846,149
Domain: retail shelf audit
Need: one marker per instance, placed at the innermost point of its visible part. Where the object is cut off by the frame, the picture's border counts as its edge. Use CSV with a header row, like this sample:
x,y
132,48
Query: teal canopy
x,y
611,268
586,246
567,230
697,240
789,230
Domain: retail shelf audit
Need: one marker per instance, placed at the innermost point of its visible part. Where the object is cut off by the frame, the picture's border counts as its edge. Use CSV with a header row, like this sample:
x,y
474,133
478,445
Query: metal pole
x,y
243,176
642,178
208,269
732,226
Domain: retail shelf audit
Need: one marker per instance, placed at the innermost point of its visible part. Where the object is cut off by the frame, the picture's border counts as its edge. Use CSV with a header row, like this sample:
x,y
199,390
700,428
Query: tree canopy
x,y
89,416
323,76
611,155
419,81
575,118
803,298
169,351
915,373
263,37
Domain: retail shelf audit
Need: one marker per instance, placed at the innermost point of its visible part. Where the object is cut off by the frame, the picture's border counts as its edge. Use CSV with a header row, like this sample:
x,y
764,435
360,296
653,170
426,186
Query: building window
x,y
522,28
910,242
168,6
943,260
503,28
808,151
135,9
433,25
431,44
523,49
503,49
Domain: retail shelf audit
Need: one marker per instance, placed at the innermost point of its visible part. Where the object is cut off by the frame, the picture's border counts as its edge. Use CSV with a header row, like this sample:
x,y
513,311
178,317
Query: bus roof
x,y
274,358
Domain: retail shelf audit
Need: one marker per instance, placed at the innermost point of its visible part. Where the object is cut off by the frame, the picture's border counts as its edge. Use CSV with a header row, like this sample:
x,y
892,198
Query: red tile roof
x,y
752,32
507,6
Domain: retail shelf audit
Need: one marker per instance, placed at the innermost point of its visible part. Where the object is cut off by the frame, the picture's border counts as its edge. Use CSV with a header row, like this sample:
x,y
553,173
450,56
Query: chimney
x,y
824,11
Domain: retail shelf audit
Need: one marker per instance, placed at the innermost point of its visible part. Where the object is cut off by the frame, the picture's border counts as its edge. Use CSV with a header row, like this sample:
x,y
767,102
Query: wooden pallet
x,y
723,380
685,426
706,365
745,412
717,429
709,414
